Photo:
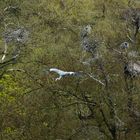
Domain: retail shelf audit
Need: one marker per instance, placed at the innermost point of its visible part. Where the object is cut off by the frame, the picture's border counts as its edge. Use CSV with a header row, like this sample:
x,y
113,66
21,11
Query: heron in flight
x,y
78,74
63,73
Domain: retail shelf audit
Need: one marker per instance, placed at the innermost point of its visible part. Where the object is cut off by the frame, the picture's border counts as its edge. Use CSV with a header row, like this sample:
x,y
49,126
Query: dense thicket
x,y
37,35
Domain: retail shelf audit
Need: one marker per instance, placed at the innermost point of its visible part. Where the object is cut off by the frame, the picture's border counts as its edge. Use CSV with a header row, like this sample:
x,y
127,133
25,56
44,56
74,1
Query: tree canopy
x,y
95,44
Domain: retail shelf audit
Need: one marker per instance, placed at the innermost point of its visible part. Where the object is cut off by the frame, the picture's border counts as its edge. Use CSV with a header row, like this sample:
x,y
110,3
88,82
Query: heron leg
x,y
58,78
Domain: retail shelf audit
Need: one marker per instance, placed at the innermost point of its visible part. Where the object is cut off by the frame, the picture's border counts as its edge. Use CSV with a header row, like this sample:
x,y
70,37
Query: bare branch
x,y
5,51
91,76
20,70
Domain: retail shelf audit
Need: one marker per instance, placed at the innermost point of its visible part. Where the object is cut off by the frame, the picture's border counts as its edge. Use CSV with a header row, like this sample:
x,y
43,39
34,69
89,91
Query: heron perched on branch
x,y
132,69
86,31
87,43
124,45
17,35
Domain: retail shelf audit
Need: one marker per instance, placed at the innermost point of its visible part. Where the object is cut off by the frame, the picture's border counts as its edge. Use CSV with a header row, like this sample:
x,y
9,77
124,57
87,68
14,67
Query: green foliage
x,y
9,89
33,106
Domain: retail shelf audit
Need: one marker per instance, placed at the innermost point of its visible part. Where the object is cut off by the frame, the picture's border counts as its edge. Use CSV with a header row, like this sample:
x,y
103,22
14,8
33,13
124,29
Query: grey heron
x,y
86,31
132,69
17,35
63,73
124,45
87,43
78,74
133,54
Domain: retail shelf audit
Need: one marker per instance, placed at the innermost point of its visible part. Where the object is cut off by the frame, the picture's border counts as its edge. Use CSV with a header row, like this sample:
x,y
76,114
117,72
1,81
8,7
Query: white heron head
x,y
86,31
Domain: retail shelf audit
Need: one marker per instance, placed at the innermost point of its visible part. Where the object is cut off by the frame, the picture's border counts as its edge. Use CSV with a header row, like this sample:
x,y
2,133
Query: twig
x,y
91,76
20,70
117,51
130,39
5,51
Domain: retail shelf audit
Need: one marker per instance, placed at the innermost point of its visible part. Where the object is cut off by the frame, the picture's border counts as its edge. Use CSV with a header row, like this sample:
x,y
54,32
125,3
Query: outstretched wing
x,y
60,72
78,74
